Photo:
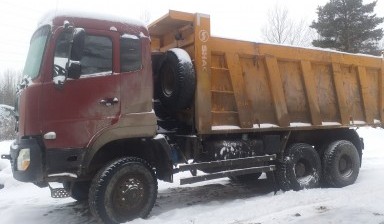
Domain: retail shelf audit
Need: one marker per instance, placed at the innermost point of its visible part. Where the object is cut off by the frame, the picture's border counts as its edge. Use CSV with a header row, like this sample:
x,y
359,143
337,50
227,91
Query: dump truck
x,y
109,106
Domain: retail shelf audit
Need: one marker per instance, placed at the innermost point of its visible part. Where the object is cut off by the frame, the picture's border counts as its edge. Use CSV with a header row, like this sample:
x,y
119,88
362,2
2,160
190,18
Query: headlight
x,y
23,160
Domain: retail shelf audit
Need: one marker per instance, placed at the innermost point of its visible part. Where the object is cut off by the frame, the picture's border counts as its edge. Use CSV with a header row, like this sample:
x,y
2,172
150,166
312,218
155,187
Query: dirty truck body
x,y
109,106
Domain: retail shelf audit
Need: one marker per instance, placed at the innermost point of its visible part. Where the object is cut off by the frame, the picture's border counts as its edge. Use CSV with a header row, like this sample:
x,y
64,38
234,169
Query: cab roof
x,y
94,21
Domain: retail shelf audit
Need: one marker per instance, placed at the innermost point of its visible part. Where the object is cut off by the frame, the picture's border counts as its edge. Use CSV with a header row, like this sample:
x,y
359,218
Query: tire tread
x,y
330,177
101,180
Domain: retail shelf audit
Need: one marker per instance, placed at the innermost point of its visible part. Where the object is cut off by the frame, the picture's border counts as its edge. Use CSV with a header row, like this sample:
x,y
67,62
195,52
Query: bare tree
x,y
8,86
145,17
281,29
7,123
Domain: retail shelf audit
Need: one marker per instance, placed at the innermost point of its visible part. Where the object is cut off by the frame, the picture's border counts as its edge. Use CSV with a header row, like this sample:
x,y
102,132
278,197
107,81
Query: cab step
x,y
59,192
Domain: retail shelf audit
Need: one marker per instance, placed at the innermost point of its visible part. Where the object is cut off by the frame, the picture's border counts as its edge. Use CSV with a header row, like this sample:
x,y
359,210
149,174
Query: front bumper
x,y
34,172
44,165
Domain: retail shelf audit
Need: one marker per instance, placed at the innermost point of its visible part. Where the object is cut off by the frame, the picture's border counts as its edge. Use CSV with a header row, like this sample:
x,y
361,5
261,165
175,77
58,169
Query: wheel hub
x,y
130,193
168,84
302,168
345,166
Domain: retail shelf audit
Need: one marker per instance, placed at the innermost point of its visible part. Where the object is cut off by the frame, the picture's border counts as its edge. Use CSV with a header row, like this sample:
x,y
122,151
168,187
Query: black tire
x,y
123,190
341,164
177,81
78,190
301,168
245,178
161,112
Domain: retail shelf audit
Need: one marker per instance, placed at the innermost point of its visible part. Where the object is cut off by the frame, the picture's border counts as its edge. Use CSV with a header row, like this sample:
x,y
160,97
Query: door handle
x,y
109,101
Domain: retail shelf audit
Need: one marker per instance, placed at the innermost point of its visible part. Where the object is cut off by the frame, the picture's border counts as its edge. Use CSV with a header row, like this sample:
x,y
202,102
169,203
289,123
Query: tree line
x,y
8,87
344,25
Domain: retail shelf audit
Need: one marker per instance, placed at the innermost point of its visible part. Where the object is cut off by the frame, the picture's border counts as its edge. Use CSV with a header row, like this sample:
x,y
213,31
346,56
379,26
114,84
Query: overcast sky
x,y
240,19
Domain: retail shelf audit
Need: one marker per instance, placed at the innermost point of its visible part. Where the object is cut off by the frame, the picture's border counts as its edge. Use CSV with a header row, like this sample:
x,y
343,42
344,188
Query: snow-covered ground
x,y
219,201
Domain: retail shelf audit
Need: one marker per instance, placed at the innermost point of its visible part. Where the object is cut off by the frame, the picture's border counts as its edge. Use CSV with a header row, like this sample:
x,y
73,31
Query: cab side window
x,y
97,55
130,53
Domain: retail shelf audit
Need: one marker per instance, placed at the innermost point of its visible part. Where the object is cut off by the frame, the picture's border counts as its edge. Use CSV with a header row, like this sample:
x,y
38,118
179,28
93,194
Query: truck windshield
x,y
35,53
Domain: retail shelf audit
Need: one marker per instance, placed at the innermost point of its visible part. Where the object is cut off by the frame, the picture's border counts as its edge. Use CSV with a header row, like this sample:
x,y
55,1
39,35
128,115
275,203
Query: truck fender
x,y
164,164
155,150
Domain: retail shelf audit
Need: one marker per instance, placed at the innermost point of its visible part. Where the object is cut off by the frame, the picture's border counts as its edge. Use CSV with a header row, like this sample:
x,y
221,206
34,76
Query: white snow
x,y
330,123
266,125
47,18
182,55
300,124
225,127
159,136
357,122
59,79
6,107
63,175
129,36
142,35
329,50
219,201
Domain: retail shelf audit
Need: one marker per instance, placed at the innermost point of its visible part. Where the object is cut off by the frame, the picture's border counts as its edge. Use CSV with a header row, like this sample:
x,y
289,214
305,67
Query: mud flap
x,y
272,179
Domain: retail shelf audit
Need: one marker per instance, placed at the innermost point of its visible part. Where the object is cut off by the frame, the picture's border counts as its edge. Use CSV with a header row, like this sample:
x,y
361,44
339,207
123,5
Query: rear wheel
x,y
341,164
300,169
123,190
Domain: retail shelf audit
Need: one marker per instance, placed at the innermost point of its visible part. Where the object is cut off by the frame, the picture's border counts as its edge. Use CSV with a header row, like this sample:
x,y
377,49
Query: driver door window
x,y
97,55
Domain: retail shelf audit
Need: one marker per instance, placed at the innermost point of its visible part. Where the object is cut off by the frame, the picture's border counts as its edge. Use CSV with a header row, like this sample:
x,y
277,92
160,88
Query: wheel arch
x,y
155,151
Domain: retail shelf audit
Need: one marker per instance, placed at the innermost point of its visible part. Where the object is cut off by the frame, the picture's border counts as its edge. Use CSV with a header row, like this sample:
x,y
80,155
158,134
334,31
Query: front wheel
x,y
123,190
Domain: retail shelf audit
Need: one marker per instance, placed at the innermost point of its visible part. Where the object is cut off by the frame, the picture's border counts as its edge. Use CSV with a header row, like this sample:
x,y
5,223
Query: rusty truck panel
x,y
245,87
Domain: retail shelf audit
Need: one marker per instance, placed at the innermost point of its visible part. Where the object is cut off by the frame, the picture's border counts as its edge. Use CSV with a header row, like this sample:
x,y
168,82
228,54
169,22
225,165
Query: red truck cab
x,y
70,103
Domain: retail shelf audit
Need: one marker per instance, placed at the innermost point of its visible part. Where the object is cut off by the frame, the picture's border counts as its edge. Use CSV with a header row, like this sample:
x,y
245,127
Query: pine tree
x,y
348,25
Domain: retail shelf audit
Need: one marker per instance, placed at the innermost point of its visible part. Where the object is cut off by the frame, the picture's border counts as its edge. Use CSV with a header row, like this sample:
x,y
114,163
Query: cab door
x,y
73,114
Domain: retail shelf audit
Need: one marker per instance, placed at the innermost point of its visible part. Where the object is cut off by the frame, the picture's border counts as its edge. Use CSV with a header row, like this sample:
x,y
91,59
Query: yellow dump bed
x,y
246,87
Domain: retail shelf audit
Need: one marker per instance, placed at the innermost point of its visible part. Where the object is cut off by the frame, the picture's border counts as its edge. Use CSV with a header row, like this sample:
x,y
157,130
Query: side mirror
x,y
77,44
74,70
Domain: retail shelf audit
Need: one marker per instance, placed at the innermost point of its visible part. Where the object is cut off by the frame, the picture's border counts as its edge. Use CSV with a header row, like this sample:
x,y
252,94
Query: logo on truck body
x,y
204,36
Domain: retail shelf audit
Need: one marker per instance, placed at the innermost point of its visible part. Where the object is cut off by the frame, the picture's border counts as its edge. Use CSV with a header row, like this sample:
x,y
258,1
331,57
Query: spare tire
x,y
177,81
